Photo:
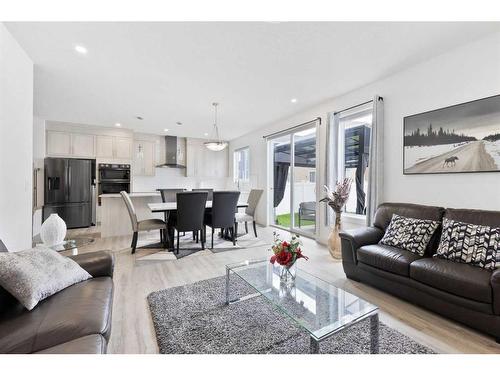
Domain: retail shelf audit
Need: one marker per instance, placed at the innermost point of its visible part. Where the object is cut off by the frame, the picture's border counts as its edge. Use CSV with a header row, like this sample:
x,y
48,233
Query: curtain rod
x,y
293,127
357,105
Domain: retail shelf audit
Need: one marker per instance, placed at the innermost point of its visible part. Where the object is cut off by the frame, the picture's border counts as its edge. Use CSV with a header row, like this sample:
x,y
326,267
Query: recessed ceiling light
x,y
293,100
81,49
165,130
179,123
139,118
118,124
206,134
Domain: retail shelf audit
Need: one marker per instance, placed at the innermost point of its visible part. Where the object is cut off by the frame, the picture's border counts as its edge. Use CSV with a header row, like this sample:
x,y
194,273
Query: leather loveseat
x,y
76,320
465,293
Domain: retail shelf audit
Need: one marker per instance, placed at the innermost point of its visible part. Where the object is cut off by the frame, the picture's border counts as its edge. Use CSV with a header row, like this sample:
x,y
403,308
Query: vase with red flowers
x,y
285,254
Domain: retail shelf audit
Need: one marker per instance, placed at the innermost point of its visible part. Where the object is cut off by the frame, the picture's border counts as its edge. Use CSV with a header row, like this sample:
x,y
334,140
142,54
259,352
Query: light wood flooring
x,y
132,330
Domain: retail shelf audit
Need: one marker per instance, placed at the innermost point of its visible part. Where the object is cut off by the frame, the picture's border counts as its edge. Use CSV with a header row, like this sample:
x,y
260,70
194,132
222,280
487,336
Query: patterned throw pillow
x,y
409,234
478,245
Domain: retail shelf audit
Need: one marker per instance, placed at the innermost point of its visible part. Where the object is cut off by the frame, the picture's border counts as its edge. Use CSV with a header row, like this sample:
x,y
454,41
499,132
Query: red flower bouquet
x,y
286,253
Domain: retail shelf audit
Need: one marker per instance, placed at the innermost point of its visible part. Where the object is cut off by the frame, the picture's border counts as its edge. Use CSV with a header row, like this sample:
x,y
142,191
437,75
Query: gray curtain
x,y
376,161
280,177
332,151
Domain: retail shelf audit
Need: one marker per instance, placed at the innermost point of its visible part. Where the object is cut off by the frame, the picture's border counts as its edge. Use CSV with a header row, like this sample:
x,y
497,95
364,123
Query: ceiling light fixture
x,y
118,125
81,49
139,118
293,100
165,130
179,123
217,144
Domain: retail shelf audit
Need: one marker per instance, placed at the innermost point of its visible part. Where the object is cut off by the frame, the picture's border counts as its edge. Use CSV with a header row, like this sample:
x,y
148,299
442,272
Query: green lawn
x,y
284,220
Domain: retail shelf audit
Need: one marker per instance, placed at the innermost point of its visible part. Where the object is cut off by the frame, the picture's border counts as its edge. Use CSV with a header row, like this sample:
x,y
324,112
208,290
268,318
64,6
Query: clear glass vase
x,y
288,274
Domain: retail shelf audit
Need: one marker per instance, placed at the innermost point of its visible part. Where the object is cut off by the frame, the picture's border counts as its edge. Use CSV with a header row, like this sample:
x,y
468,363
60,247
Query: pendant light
x,y
217,144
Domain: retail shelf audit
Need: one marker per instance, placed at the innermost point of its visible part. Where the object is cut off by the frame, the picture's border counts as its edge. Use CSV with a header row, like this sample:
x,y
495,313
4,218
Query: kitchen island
x,y
115,220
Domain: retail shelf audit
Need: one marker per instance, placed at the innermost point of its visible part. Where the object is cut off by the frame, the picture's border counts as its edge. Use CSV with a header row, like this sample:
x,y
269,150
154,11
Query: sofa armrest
x,y
353,239
98,264
495,285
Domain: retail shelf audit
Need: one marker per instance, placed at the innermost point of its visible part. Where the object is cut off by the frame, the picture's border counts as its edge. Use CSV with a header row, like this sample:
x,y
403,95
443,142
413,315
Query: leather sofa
x,y
465,293
76,320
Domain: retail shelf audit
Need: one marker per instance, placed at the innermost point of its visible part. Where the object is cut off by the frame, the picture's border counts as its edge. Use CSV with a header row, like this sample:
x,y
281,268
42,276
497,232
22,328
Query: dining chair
x,y
169,195
143,225
210,193
249,214
189,215
221,216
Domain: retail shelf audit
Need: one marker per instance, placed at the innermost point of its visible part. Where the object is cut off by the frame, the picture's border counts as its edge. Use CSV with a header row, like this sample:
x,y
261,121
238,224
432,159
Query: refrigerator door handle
x,y
67,179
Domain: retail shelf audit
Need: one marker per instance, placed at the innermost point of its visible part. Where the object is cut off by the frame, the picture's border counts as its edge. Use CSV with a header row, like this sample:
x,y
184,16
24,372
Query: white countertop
x,y
132,195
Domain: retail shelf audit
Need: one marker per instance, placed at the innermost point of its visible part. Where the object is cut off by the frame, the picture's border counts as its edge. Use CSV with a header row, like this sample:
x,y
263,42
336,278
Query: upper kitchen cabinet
x,y
109,147
70,144
123,148
144,158
83,145
104,146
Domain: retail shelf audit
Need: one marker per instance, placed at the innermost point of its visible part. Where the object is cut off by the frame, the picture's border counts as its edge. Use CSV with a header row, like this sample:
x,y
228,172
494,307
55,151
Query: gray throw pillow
x,y
35,274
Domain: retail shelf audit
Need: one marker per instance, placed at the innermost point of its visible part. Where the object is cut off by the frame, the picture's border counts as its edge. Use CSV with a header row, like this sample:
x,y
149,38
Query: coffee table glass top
x,y
69,244
318,306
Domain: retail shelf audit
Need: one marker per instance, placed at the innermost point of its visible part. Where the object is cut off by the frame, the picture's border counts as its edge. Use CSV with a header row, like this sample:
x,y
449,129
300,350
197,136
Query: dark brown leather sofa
x,y
465,293
76,320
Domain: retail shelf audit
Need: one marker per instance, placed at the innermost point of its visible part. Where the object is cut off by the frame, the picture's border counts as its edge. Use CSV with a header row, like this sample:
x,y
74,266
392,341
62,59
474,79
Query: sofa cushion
x,y
460,279
409,234
92,344
387,258
80,310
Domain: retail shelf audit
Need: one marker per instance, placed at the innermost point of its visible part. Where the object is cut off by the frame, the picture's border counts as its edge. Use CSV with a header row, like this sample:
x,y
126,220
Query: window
x,y
354,144
241,168
312,176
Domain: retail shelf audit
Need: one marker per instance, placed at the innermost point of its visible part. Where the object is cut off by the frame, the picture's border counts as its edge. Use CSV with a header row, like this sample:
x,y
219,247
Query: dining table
x,y
169,207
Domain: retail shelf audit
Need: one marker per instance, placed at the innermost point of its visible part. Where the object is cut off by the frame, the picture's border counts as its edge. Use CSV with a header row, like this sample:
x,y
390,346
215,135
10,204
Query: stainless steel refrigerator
x,y
70,190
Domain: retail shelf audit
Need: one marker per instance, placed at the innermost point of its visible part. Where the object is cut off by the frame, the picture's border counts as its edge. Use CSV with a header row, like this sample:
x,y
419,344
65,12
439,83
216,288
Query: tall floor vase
x,y
334,239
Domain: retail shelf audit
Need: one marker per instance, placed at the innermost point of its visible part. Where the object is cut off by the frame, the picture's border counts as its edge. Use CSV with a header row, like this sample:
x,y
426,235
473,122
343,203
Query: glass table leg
x,y
314,346
374,334
227,285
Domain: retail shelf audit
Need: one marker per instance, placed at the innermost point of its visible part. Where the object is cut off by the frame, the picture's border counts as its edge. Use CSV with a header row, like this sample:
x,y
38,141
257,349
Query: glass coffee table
x,y
319,307
72,244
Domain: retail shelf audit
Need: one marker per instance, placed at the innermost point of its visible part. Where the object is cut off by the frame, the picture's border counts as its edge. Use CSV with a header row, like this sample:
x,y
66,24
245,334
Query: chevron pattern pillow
x,y
478,245
409,234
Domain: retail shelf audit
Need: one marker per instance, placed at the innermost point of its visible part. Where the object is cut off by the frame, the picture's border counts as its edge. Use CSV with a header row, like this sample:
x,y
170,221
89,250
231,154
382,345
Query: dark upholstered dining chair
x,y
209,191
189,215
221,216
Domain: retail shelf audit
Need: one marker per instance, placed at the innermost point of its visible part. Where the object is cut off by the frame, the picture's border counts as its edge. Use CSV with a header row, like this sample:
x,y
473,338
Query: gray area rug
x,y
194,319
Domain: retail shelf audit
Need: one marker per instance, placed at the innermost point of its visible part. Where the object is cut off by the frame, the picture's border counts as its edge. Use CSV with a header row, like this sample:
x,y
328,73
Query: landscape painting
x,y
458,139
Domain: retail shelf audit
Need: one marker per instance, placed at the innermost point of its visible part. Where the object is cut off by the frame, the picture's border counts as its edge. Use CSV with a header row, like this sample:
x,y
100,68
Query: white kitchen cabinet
x,y
70,144
58,143
82,145
144,158
123,148
104,146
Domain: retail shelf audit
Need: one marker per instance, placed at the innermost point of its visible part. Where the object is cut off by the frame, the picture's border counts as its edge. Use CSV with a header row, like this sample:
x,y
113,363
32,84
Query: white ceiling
x,y
169,72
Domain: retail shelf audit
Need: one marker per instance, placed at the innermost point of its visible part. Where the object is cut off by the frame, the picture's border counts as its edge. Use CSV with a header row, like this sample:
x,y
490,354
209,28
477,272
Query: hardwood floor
x,y
133,332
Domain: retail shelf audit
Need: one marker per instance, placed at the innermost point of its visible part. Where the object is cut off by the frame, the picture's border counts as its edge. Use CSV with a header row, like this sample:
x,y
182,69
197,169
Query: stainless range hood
x,y
175,152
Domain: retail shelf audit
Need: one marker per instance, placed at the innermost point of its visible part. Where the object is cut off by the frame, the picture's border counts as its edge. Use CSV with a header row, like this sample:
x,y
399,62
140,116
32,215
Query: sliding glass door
x,y
293,181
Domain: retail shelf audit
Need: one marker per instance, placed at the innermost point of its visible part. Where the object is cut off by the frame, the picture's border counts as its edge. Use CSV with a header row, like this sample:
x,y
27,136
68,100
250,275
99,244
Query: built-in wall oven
x,y
114,178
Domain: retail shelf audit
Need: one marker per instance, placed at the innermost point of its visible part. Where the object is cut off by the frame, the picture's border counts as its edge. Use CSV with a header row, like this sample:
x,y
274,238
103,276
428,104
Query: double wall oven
x,y
114,178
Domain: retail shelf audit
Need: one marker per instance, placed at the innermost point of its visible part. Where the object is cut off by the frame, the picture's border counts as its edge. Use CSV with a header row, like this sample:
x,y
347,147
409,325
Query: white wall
x,y
16,143
463,74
